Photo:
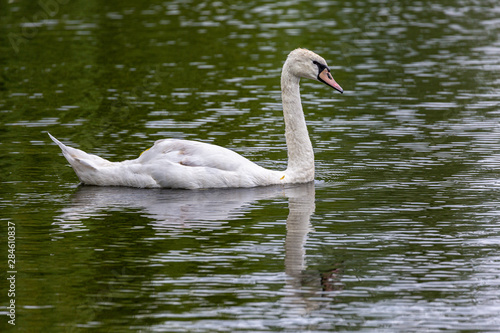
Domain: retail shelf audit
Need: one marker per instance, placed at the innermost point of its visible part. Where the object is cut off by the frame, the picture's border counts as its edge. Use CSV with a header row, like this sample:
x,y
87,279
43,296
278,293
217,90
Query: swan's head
x,y
307,64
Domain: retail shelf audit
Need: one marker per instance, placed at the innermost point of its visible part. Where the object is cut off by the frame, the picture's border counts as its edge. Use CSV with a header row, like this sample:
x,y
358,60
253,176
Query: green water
x,y
399,232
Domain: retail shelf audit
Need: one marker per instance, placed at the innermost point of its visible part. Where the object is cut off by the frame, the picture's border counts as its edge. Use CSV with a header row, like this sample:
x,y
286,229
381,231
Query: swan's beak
x,y
326,77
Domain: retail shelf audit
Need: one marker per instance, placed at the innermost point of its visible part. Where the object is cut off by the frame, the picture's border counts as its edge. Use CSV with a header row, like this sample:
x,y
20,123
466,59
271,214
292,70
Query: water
x,y
400,231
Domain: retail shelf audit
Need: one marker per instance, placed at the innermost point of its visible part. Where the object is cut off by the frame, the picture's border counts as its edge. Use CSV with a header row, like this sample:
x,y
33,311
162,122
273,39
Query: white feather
x,y
188,164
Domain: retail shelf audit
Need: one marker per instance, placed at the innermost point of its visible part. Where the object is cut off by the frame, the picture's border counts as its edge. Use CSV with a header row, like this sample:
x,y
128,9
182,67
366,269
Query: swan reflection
x,y
171,212
166,208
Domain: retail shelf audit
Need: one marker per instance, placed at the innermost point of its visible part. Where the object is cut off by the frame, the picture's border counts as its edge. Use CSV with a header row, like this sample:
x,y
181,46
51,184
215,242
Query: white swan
x,y
187,164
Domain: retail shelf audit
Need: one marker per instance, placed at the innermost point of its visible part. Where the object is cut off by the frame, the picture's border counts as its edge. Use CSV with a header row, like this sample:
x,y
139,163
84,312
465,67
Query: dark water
x,y
400,232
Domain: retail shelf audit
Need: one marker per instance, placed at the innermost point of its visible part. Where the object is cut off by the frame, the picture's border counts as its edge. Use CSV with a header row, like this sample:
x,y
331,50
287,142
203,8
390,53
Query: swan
x,y
173,163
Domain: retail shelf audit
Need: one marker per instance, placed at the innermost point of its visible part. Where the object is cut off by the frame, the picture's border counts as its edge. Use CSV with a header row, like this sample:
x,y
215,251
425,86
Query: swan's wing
x,y
174,164
189,164
193,154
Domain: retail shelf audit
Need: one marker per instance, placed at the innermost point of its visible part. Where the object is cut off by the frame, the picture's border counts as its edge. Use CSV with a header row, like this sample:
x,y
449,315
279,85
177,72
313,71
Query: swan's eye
x,y
321,67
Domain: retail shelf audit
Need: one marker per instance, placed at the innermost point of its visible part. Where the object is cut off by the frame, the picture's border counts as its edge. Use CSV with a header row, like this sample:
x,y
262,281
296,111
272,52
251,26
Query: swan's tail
x,y
84,164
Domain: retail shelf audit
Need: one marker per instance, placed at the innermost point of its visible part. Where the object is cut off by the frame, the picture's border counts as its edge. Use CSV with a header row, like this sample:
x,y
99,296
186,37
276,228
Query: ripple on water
x,y
405,232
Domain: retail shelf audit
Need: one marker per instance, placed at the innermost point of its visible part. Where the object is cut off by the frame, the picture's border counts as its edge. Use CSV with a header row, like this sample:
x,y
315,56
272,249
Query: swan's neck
x,y
300,150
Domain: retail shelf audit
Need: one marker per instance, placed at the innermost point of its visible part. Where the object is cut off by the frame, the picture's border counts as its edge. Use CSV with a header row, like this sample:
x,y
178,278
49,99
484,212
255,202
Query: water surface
x,y
400,231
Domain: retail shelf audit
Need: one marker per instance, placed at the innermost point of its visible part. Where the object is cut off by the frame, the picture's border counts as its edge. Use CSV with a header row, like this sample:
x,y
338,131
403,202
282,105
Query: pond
x,y
399,232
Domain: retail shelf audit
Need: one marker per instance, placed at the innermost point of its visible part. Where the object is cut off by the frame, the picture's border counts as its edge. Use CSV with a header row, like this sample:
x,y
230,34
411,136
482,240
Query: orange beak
x,y
326,77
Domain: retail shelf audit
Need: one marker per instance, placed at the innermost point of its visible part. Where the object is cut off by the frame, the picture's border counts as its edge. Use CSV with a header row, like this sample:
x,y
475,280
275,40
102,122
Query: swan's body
x,y
187,164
